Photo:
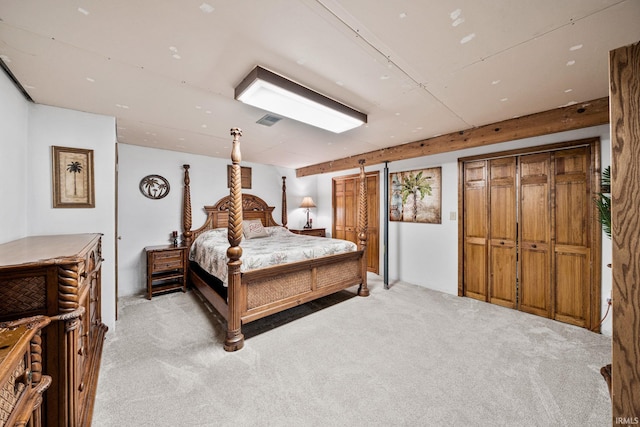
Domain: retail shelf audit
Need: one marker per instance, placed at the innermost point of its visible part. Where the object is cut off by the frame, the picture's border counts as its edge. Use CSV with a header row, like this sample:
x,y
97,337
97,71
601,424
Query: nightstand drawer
x,y
318,232
167,260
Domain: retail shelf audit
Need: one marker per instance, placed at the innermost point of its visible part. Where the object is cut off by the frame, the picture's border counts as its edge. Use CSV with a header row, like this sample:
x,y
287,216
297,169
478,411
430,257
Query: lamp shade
x,y
307,202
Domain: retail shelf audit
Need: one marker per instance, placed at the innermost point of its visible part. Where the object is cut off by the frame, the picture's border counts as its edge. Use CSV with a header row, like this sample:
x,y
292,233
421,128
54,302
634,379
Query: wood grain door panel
x,y
502,229
475,231
572,282
475,272
534,287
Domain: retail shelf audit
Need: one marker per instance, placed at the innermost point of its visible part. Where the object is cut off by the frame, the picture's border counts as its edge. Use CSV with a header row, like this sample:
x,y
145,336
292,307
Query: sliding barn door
x,y
529,230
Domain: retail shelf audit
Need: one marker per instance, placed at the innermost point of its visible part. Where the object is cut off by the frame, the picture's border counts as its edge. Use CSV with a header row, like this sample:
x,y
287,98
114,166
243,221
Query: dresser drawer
x,y
13,389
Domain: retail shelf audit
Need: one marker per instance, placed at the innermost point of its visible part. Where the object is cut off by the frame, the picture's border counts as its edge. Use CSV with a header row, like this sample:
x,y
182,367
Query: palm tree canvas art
x,y
73,178
416,196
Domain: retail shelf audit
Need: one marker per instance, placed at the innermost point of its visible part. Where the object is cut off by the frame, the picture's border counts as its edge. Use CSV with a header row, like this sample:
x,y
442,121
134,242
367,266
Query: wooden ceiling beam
x,y
581,115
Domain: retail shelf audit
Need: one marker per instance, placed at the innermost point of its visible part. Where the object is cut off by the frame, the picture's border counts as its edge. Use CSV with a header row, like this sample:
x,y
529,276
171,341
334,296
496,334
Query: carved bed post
x,y
186,209
362,228
284,202
234,340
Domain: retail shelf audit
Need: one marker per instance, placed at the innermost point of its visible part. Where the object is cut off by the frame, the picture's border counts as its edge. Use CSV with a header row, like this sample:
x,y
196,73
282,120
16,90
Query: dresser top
x,y
53,249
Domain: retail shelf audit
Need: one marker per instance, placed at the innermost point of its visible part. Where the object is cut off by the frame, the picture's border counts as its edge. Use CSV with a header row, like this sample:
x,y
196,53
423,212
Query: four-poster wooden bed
x,y
253,294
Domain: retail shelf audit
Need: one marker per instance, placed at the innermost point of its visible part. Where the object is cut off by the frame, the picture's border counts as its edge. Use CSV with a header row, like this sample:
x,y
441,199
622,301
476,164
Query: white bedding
x,y
209,250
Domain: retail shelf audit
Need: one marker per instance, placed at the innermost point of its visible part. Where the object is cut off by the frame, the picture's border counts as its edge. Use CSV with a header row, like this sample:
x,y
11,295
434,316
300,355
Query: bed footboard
x,y
271,290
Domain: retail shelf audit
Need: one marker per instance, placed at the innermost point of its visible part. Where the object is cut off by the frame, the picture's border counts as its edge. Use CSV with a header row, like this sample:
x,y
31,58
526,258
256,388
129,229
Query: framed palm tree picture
x,y
72,178
415,196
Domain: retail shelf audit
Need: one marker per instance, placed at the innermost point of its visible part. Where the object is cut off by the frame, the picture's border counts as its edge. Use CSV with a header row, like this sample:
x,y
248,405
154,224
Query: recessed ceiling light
x,y
576,47
89,79
385,77
198,107
403,15
495,82
204,126
176,56
504,99
457,22
568,90
83,11
570,63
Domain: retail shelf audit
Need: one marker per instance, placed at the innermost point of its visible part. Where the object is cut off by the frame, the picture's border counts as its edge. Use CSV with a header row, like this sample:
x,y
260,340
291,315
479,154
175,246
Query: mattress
x,y
280,246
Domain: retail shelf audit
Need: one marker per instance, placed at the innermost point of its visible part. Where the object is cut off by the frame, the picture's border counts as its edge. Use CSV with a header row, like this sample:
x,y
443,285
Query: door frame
x,y
593,323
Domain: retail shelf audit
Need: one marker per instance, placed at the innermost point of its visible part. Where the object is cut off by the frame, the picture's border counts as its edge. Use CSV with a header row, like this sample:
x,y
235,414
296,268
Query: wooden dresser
x,y
59,276
21,380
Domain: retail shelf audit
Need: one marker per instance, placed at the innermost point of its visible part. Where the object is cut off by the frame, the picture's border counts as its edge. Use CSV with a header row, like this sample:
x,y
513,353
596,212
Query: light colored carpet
x,y
407,356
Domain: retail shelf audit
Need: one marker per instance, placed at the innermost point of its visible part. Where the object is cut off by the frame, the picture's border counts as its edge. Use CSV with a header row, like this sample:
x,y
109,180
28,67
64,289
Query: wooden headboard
x,y
253,207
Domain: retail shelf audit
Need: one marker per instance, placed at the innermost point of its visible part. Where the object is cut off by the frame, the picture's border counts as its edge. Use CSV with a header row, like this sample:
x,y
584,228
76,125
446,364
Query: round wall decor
x,y
154,187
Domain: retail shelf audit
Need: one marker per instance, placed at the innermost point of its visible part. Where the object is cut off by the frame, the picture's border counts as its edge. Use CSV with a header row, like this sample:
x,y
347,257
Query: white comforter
x,y
209,250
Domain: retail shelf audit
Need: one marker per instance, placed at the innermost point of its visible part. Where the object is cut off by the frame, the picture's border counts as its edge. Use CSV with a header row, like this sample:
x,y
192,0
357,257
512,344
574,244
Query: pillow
x,y
253,228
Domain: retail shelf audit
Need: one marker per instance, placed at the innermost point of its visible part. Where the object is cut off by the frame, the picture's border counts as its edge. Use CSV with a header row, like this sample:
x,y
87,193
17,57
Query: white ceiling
x,y
167,69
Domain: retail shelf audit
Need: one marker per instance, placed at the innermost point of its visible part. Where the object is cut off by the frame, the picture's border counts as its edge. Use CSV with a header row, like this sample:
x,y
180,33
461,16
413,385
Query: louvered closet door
x,y
534,288
502,231
571,249
475,230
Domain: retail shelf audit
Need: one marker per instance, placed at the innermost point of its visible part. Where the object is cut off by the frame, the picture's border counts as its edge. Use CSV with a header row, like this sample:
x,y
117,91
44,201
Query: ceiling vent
x,y
269,120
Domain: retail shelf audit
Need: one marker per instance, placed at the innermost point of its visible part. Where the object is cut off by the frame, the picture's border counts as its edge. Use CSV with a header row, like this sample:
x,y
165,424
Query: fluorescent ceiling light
x,y
279,95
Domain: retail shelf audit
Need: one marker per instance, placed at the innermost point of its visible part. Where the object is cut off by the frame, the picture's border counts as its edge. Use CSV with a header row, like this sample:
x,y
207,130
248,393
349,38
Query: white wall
x,y
145,222
14,113
57,126
427,254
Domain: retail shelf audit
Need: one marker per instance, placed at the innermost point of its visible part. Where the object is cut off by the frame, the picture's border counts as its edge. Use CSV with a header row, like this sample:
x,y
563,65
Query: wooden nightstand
x,y
319,232
166,269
